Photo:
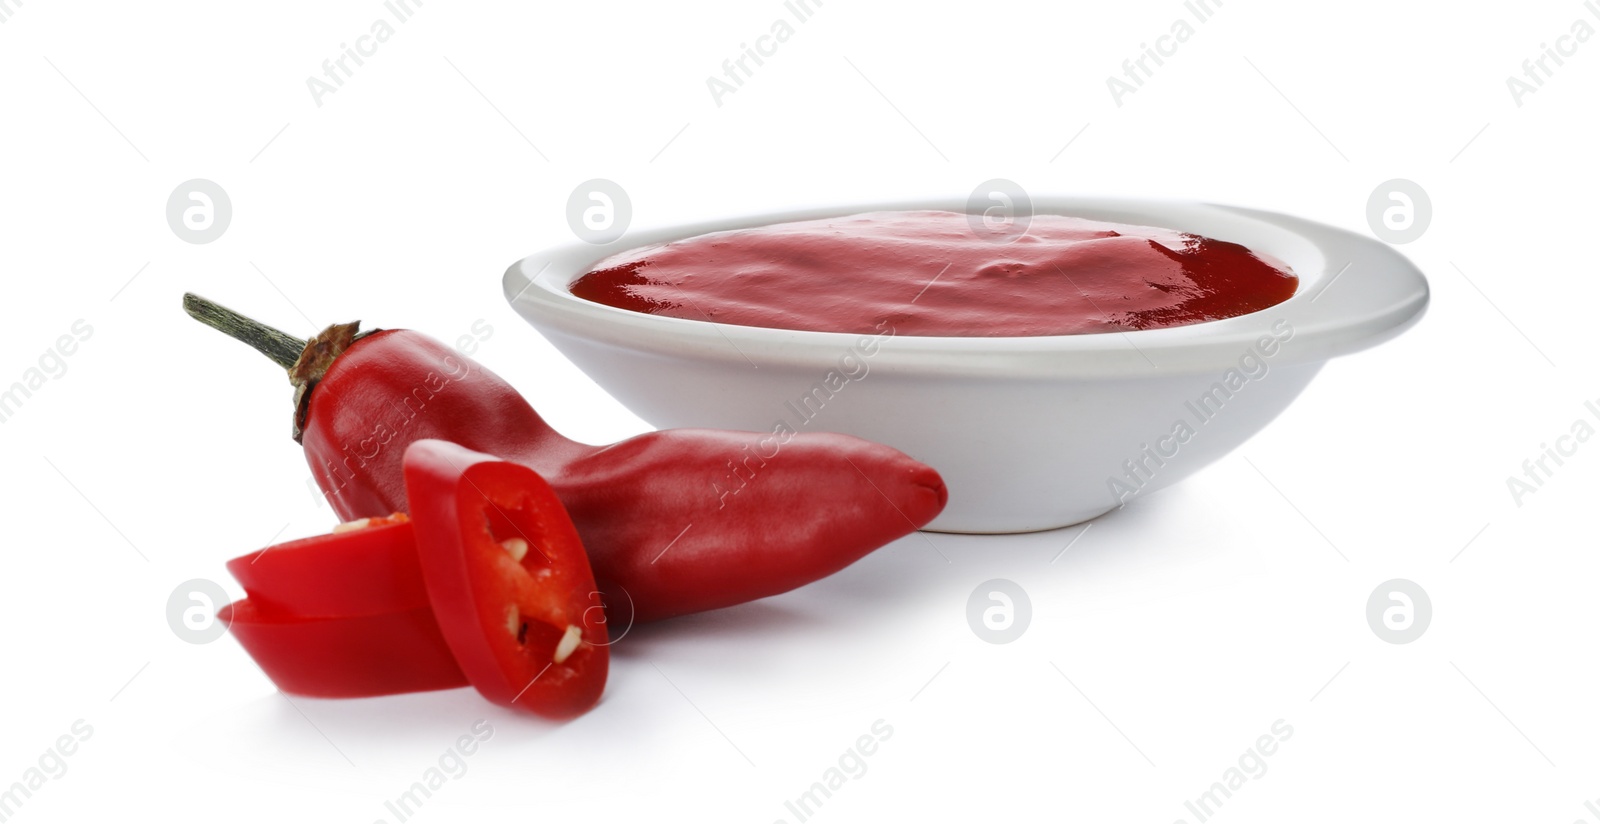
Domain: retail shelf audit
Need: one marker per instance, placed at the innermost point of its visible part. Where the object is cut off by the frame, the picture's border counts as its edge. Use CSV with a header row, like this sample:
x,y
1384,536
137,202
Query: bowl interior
x,y
1303,256
1353,293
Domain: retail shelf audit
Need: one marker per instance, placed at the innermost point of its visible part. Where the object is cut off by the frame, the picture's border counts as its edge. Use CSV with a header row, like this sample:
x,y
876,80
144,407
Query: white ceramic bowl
x,y
1029,433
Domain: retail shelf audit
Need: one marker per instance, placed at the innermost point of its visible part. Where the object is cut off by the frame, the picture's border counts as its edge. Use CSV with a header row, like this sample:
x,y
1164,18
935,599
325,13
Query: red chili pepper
x,y
675,522
365,567
346,657
508,579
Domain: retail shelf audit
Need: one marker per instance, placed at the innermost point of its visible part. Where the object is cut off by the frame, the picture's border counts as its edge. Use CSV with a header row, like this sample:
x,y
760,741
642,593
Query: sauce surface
x,y
929,273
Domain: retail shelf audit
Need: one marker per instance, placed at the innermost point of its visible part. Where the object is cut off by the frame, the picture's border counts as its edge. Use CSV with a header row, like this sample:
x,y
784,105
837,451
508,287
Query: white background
x,y
1163,643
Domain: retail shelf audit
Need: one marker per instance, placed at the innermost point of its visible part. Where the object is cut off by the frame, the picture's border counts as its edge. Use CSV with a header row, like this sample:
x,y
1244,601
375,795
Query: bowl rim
x,y
1355,292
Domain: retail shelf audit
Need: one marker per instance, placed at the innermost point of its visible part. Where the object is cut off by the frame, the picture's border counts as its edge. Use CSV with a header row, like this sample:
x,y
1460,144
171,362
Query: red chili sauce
x,y
937,273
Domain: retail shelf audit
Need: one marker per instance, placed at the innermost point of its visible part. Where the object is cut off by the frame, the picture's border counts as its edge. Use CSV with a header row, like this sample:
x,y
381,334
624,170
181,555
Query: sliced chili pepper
x,y
346,657
676,521
508,579
364,567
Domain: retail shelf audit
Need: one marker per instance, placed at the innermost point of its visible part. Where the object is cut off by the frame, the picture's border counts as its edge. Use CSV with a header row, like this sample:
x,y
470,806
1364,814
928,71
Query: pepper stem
x,y
282,348
306,361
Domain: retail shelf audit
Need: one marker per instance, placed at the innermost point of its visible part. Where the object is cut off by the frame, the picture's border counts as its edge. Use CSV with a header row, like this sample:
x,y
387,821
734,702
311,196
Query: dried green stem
x,y
306,361
282,348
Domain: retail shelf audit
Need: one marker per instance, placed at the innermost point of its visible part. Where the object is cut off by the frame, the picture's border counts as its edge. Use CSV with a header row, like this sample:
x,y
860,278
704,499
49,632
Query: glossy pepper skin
x,y
350,572
674,522
350,656
342,615
663,527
